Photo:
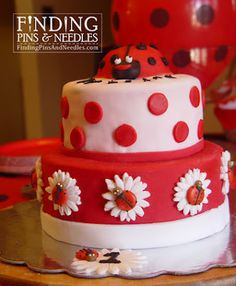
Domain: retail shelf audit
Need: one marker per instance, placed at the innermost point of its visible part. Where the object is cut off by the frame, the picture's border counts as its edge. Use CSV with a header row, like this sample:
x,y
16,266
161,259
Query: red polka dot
x,y
64,107
157,103
125,135
200,129
203,99
180,131
194,96
93,112
62,132
77,138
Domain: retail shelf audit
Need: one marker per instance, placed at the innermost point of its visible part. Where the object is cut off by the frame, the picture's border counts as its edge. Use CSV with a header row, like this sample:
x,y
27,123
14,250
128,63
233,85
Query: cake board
x,y
22,242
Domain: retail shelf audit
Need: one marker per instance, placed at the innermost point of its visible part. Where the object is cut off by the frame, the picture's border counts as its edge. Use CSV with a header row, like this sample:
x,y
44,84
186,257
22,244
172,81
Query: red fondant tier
x,y
161,178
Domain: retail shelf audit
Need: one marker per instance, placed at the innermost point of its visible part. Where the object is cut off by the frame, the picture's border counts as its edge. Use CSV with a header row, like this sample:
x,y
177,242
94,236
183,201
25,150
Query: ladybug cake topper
x,y
133,61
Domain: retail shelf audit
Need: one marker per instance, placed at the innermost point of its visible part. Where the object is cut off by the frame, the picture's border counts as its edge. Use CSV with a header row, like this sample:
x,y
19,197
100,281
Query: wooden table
x,y
21,276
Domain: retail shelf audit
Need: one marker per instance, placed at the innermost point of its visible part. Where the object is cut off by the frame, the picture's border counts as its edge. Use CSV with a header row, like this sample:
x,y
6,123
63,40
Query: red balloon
x,y
178,23
204,63
196,36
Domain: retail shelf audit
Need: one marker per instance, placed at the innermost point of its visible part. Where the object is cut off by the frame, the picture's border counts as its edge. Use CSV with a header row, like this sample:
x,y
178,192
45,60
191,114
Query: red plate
x,y
19,157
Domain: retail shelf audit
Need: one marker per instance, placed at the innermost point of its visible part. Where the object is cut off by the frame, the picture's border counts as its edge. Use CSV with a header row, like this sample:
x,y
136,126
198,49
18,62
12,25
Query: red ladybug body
x,y
59,195
195,195
130,62
231,177
126,201
87,254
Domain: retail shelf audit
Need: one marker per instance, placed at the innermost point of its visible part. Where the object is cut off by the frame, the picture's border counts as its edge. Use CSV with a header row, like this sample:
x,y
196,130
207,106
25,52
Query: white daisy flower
x,y
126,197
224,171
111,262
39,179
192,192
64,193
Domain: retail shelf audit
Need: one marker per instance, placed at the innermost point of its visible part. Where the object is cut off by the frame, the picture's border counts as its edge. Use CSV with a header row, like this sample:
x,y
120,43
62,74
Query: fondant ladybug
x,y
195,194
131,62
59,194
87,254
125,200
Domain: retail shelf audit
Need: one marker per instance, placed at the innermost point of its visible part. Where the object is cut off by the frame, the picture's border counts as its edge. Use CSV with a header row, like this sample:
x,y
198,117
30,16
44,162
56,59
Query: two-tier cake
x,y
134,170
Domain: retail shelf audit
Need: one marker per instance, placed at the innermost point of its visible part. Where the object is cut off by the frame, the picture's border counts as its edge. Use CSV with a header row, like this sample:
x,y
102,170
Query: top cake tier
x,y
132,112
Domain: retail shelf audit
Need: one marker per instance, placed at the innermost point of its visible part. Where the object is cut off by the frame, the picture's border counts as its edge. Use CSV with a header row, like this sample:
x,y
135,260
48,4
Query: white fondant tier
x,y
168,122
140,235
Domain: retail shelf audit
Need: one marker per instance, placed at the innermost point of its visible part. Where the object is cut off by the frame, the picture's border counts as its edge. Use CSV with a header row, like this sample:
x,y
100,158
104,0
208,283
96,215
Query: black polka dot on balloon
x,y
102,64
181,58
151,61
221,53
3,197
205,14
164,60
116,21
159,18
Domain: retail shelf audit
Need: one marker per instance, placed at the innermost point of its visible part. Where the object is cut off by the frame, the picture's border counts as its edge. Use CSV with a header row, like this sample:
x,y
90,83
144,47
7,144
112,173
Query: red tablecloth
x,y
10,190
19,157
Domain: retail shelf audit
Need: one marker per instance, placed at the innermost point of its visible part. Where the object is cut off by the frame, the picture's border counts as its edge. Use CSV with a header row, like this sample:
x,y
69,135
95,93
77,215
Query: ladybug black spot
x,y
113,57
116,21
159,18
151,61
181,58
102,64
164,60
221,53
141,46
154,46
205,14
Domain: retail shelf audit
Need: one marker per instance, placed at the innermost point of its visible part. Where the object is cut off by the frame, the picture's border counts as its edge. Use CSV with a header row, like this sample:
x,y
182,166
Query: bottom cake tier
x,y
134,205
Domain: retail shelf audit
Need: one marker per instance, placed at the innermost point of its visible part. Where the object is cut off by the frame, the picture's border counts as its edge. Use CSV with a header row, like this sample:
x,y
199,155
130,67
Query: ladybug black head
x,y
126,68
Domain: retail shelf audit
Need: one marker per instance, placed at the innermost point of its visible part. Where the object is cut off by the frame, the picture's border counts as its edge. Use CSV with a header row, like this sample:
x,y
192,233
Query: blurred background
x,y
31,84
